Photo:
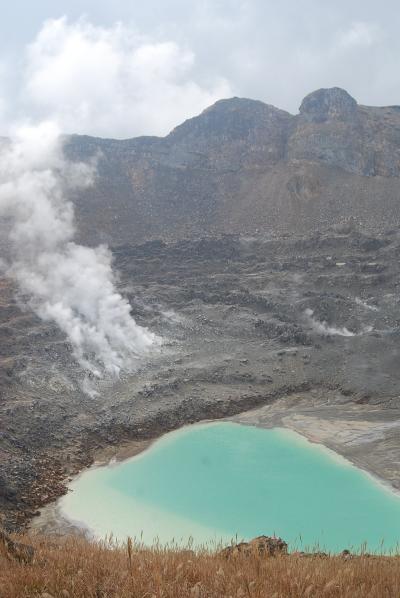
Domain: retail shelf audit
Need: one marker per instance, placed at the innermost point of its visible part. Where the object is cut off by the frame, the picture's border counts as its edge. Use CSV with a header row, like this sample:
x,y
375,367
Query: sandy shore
x,y
51,520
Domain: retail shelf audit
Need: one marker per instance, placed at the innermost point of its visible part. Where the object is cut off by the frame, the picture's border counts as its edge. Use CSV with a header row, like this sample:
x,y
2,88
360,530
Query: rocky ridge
x,y
246,167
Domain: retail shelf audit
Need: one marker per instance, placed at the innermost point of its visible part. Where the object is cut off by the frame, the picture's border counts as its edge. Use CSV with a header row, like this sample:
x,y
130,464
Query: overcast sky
x,y
121,68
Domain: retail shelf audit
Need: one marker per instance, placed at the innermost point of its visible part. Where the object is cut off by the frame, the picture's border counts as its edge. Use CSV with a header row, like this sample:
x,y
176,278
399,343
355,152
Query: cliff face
x,y
333,129
243,166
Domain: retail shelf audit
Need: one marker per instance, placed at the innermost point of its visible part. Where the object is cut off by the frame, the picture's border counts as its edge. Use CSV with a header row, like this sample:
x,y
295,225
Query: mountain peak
x,y
231,117
328,104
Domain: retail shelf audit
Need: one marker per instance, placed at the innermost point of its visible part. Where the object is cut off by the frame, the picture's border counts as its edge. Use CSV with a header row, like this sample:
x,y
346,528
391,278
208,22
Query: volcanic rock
x,y
262,545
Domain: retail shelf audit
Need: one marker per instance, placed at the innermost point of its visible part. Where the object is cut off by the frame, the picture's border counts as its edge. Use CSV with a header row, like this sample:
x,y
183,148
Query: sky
x,y
122,68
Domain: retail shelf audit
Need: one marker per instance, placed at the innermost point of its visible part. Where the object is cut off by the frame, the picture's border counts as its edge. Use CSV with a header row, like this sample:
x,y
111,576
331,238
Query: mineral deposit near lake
x,y
216,481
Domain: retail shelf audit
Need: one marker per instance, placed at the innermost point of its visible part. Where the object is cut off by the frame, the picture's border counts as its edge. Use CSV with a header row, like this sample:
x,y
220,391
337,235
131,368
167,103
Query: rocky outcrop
x,y
329,104
262,545
267,546
332,129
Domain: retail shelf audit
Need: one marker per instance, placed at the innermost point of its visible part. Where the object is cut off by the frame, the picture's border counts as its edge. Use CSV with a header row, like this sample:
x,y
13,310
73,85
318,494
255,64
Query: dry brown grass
x,y
76,568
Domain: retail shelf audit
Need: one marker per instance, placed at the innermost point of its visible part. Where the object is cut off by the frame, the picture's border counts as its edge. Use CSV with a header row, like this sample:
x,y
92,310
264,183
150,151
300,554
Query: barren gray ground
x,y
239,340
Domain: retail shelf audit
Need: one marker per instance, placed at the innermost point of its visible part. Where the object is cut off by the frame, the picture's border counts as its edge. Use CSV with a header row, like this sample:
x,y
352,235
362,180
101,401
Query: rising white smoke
x,y
324,328
66,283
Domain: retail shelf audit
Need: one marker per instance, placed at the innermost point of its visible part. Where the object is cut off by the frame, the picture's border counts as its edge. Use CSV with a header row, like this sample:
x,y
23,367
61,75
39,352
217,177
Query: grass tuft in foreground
x,y
74,567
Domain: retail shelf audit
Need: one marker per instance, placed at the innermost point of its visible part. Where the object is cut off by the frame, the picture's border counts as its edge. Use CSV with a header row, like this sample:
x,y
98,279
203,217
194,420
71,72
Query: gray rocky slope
x,y
246,167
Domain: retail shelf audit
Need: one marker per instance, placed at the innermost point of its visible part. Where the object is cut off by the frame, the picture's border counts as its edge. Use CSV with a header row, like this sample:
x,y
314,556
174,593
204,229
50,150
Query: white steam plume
x,y
66,283
323,328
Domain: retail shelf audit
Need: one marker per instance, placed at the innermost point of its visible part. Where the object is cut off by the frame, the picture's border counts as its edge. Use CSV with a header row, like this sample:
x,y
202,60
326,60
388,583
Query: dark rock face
x,y
329,104
233,133
245,167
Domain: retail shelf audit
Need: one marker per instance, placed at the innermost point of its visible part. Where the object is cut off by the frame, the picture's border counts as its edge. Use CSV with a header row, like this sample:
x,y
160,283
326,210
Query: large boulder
x,y
262,545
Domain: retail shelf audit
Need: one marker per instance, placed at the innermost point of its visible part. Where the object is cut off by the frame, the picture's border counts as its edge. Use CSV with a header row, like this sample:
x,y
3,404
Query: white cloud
x,y
97,77
3,100
112,81
3,113
359,35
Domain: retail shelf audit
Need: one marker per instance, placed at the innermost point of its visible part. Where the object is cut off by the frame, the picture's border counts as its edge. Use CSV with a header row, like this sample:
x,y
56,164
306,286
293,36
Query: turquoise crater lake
x,y
220,480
